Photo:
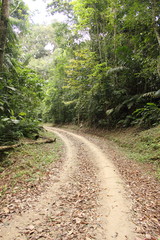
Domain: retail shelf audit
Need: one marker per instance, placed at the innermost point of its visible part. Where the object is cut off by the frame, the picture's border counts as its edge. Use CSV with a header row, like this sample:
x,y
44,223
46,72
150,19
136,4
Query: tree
x,y
156,18
61,6
4,19
20,87
114,64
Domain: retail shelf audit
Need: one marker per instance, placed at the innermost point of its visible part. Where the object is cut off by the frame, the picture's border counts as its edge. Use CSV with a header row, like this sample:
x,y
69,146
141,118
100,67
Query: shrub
x,y
12,129
147,116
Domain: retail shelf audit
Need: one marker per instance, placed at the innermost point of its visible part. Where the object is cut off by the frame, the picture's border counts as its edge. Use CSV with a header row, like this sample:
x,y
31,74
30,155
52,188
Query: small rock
x,y
30,227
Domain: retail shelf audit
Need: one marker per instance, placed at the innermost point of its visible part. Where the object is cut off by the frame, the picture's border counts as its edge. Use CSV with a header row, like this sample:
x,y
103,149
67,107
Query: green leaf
x,y
11,88
22,114
5,119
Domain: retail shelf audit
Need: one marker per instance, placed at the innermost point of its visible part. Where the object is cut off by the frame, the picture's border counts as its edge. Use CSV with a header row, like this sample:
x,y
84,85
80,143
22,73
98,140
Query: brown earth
x,y
88,199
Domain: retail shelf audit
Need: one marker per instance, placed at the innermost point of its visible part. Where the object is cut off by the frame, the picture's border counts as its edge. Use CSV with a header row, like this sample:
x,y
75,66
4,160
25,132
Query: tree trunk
x,y
98,38
5,148
155,14
4,17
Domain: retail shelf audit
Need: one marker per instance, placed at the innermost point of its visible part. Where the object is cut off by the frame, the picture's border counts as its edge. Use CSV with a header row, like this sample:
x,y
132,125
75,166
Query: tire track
x,y
86,201
115,208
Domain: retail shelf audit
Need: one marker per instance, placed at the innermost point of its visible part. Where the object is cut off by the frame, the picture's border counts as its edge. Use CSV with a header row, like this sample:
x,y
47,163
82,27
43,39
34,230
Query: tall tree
x,y
4,19
121,40
20,87
156,18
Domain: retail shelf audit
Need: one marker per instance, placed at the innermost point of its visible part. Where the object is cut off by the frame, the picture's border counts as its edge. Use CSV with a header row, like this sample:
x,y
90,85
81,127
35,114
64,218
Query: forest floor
x,y
91,192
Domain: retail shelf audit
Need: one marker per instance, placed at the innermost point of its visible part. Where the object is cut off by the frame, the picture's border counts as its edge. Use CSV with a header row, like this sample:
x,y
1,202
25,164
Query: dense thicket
x,y
20,87
111,74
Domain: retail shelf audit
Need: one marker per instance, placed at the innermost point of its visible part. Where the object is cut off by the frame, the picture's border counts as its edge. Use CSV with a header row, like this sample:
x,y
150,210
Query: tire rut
x,y
86,201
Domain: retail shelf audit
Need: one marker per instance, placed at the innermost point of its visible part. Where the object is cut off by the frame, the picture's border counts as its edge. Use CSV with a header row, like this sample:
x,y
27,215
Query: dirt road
x,y
85,201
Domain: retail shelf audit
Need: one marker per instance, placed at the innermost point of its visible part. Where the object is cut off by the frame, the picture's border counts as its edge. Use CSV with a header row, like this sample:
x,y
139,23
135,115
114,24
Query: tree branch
x,y
5,148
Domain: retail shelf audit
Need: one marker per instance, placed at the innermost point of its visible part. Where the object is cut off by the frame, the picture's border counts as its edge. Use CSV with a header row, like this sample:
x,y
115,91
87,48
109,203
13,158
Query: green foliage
x,y
20,87
112,71
35,42
142,146
20,92
103,67
56,108
61,6
11,129
8,130
147,116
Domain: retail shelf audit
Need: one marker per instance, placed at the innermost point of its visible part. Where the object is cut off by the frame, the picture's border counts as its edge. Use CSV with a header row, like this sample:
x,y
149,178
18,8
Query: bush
x,y
147,116
12,130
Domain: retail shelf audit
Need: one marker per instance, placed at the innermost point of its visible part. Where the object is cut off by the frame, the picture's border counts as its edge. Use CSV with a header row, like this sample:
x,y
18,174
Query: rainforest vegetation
x,y
101,66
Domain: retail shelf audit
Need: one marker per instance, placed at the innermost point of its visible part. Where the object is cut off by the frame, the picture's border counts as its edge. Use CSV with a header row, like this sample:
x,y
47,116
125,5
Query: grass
x,y
142,146
27,164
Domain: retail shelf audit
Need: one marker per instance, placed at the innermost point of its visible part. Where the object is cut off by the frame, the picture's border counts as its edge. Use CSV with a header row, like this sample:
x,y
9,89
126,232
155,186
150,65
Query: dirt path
x,y
87,200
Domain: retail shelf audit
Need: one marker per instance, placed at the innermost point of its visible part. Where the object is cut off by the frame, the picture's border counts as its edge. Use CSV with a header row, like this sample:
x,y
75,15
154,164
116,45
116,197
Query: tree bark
x,y
4,17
